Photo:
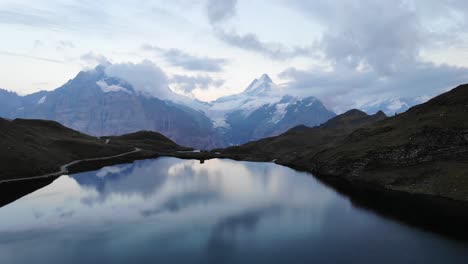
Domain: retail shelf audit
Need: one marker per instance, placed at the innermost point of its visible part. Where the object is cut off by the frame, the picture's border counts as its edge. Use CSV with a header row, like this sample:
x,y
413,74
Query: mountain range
x,y
423,150
394,105
413,163
100,104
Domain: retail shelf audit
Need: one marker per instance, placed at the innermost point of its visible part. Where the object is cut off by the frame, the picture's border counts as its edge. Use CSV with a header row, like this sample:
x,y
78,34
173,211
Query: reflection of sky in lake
x,y
220,211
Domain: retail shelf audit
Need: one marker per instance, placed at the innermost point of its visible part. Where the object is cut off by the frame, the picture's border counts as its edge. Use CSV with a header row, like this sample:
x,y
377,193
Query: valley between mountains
x,y
411,166
422,151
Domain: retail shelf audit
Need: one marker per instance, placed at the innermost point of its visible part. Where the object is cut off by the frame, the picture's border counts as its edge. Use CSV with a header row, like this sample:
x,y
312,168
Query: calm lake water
x,y
180,211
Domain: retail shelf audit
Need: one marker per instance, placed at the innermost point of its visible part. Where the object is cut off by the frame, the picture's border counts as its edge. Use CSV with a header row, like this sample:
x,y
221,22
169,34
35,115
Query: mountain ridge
x,y
423,150
99,104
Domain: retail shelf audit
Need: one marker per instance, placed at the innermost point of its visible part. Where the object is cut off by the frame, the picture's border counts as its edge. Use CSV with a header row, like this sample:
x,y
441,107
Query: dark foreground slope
x,y
423,151
36,147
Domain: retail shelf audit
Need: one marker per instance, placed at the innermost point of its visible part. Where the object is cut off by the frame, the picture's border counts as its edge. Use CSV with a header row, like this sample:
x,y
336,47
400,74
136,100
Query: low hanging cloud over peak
x,y
187,84
179,58
145,77
92,58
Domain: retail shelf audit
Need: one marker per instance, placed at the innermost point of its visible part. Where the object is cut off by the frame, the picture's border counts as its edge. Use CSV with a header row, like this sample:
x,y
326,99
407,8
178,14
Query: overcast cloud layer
x,y
347,53
374,48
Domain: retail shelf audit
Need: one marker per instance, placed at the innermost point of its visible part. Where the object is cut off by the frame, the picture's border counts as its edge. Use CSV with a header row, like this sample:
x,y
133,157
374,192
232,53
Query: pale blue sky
x,y
344,52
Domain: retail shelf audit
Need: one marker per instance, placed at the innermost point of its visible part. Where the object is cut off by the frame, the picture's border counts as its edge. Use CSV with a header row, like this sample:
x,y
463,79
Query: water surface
x,y
180,211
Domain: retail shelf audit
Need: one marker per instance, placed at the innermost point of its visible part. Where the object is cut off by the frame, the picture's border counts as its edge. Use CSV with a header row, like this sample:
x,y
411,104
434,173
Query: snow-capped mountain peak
x,y
261,86
265,78
112,100
259,92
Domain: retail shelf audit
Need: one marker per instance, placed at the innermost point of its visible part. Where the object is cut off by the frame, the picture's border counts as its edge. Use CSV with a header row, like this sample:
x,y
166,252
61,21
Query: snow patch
x,y
391,105
396,105
220,122
42,100
111,88
260,92
279,113
312,102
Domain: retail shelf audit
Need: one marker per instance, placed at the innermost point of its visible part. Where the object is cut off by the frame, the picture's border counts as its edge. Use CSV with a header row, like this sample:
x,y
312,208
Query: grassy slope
x,y
424,150
147,140
36,147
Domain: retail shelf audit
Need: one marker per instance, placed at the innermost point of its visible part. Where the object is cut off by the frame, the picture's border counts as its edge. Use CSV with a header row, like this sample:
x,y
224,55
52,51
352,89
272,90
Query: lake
x,y
169,210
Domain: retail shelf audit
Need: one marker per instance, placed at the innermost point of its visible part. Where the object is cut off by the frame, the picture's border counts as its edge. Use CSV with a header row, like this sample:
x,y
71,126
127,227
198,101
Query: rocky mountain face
x,y
9,103
264,110
99,105
96,104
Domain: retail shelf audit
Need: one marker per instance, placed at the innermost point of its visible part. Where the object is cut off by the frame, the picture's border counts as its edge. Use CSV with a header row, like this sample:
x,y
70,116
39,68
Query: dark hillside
x,y
36,147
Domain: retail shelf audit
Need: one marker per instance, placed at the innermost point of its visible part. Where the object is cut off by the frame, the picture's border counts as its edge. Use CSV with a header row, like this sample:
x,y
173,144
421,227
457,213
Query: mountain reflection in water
x,y
222,211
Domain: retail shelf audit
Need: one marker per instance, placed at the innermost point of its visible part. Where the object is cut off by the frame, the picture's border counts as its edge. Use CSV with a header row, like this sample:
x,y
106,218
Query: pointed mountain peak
x,y
265,78
381,114
259,85
251,85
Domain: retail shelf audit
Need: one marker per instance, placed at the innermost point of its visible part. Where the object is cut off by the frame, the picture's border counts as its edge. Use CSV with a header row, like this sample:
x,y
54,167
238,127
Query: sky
x,y
346,53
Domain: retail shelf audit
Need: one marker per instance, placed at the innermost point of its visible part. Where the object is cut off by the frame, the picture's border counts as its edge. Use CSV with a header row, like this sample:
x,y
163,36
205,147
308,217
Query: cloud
x,y
40,83
343,89
58,15
220,10
251,42
187,84
373,49
92,58
37,44
65,44
30,57
381,35
145,77
187,61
